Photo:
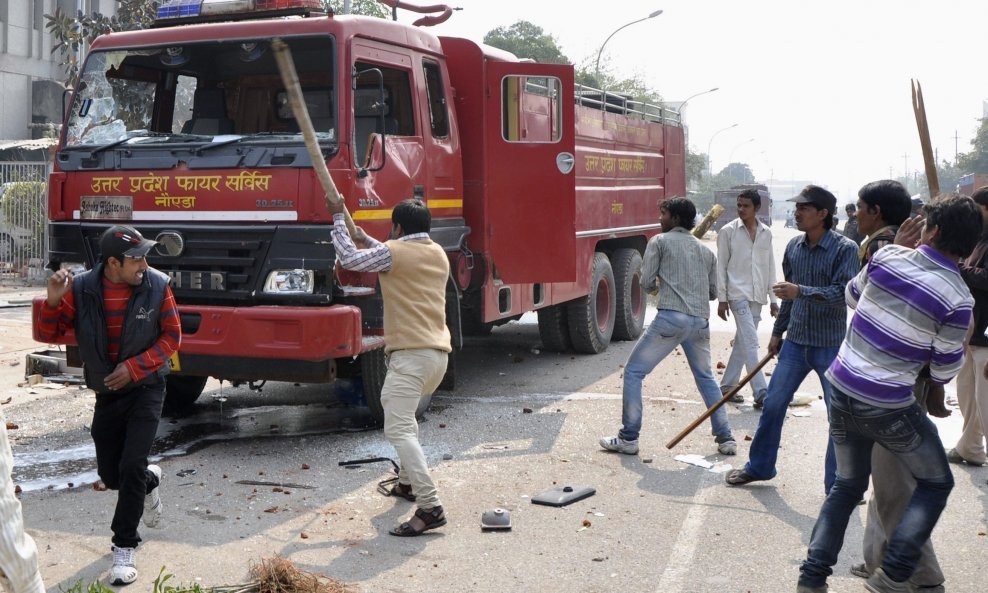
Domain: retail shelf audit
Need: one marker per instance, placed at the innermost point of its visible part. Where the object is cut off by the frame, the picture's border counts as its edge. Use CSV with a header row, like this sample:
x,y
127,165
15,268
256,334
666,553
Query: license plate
x,y
174,362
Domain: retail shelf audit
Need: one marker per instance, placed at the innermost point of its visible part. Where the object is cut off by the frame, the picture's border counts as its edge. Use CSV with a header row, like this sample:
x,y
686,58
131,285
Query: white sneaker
x,y
619,445
728,448
124,569
152,502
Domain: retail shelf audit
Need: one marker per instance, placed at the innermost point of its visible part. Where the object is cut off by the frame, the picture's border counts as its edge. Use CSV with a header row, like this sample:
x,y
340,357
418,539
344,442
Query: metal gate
x,y
23,222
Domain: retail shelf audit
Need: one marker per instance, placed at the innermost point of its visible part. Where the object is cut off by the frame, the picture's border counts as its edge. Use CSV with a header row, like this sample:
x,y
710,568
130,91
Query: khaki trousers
x,y
892,487
411,375
972,399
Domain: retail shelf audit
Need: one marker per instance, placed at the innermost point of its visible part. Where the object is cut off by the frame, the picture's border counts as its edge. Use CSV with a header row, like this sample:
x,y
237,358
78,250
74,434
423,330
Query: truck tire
x,y
181,391
591,317
630,311
373,370
554,328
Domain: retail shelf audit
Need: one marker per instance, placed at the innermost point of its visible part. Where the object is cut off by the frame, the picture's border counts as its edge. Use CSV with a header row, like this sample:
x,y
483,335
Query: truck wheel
x,y
181,391
554,328
591,318
630,312
373,370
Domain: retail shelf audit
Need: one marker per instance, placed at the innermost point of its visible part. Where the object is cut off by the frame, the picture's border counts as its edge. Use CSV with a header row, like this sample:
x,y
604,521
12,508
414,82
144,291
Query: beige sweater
x,y
18,554
415,296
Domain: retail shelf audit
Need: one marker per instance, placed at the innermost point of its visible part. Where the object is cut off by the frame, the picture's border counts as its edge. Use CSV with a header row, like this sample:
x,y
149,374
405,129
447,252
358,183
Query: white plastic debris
x,y
694,459
801,398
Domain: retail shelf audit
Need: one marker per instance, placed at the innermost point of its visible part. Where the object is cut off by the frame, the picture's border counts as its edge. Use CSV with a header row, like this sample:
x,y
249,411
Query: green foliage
x,y
23,201
975,161
72,32
696,164
361,7
527,40
738,173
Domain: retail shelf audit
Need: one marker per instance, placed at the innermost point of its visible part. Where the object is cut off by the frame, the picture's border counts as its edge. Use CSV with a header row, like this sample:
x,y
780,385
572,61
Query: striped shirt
x,y
685,271
18,552
54,321
818,316
376,258
912,308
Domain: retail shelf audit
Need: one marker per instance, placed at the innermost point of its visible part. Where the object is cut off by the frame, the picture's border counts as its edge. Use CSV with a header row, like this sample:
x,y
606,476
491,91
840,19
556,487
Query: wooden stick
x,y
919,109
716,406
289,77
708,221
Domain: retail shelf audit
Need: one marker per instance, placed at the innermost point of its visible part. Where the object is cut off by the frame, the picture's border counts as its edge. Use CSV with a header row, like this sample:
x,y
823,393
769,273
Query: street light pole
x,y
730,157
683,104
596,69
709,172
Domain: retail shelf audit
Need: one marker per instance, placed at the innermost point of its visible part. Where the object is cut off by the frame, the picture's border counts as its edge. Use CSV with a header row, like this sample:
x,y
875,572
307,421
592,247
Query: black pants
x,y
123,430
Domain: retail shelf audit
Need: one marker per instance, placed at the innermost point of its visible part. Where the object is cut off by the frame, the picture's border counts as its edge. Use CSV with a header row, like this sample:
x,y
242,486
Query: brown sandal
x,y
402,491
422,521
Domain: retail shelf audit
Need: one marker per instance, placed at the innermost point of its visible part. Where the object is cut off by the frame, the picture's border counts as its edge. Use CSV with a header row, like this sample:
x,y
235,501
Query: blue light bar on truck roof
x,y
186,9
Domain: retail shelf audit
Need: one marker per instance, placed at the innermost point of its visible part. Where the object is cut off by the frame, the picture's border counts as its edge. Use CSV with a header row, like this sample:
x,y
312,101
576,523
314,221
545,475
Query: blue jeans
x,y
747,314
795,362
908,434
668,330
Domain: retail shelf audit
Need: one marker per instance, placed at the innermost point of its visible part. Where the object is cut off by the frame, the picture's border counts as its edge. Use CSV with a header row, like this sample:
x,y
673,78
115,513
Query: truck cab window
x,y
438,115
371,111
530,109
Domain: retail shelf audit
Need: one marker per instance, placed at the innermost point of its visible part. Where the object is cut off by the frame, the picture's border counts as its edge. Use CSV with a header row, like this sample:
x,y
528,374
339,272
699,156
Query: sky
x,y
820,90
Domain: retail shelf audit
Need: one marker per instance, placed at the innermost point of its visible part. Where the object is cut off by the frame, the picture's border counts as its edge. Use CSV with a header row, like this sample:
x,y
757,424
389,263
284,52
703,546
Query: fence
x,y
23,228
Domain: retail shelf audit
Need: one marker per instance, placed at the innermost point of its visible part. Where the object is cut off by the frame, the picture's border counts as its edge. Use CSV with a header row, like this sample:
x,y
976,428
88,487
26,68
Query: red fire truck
x,y
543,195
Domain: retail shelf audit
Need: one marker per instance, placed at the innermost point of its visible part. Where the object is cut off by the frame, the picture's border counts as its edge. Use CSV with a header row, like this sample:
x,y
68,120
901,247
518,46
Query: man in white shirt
x,y
745,275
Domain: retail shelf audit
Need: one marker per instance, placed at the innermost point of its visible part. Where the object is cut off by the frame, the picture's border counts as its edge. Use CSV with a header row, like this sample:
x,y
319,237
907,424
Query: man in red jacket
x,y
127,328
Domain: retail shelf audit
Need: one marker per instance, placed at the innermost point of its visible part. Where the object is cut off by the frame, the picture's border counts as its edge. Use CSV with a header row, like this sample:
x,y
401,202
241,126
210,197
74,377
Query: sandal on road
x,y
423,520
402,491
739,477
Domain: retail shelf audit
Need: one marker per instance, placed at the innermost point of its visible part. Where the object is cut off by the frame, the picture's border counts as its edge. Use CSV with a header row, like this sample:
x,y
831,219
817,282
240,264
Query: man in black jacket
x,y
127,328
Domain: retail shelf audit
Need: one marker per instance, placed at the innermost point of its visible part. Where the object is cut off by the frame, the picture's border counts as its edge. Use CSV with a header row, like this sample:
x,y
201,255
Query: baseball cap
x,y
122,241
816,195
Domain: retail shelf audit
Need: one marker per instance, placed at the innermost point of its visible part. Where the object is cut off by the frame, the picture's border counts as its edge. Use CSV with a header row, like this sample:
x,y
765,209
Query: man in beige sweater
x,y
413,272
18,554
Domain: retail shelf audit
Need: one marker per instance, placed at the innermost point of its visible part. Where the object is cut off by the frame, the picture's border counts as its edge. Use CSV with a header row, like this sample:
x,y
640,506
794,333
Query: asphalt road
x,y
521,422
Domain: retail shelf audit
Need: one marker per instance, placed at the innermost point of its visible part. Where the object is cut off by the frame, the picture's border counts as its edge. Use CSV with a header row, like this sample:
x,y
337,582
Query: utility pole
x,y
955,147
905,165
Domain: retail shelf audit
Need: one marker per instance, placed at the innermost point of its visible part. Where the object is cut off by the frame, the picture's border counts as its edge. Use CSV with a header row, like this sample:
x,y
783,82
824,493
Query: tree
x,y
976,161
75,32
738,173
696,163
361,7
527,41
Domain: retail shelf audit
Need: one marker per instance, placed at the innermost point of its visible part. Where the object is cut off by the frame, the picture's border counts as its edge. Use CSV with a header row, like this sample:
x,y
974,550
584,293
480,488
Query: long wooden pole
x,y
919,109
289,77
716,406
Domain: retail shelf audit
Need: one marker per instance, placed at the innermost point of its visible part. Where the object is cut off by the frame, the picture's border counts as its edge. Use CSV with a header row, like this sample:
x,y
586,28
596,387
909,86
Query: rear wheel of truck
x,y
629,318
591,318
373,370
181,391
554,328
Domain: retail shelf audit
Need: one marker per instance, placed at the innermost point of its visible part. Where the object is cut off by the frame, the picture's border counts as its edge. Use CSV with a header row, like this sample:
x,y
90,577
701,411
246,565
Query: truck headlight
x,y
289,282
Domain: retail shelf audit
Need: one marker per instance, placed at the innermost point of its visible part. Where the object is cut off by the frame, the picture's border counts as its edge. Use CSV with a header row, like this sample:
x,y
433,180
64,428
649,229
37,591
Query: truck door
x,y
531,186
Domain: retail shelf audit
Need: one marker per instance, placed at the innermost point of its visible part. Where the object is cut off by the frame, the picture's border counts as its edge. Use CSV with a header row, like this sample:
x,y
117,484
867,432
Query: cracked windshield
x,y
199,92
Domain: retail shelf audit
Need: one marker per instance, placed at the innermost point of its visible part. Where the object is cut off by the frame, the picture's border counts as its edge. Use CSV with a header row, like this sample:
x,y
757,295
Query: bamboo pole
x,y
289,77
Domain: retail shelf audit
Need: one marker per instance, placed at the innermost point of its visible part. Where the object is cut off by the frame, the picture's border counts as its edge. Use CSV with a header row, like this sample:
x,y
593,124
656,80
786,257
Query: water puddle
x,y
210,423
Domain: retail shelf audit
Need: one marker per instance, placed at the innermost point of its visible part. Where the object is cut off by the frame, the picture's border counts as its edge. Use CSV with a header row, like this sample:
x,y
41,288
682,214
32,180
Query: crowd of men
x,y
917,283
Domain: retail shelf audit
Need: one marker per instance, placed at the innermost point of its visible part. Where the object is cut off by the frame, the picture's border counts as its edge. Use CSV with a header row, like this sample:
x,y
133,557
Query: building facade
x,y
30,75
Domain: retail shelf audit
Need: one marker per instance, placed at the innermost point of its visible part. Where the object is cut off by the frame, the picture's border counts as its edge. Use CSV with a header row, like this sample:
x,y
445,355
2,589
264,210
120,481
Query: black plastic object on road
x,y
563,495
